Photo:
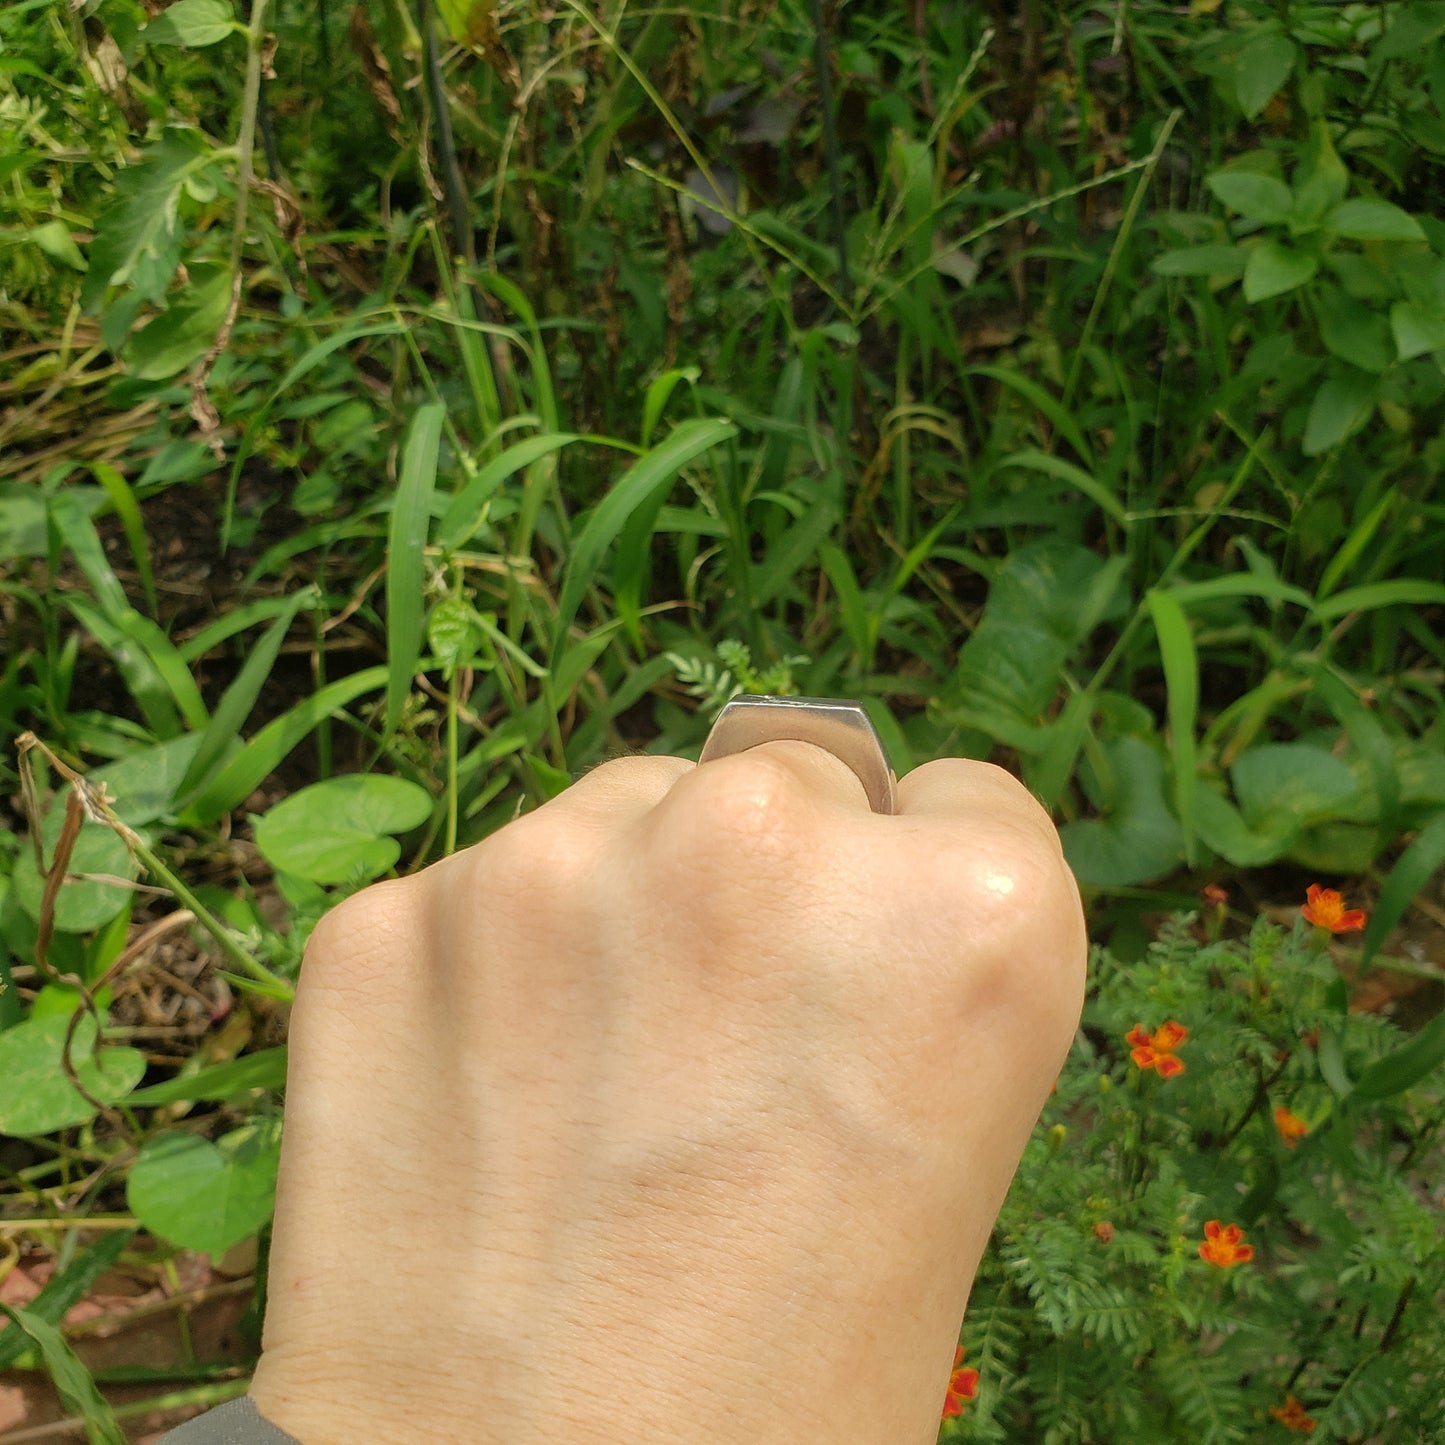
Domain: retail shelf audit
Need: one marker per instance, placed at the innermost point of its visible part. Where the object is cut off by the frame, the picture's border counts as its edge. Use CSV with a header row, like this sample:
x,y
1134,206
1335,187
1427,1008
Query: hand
x,y
679,1109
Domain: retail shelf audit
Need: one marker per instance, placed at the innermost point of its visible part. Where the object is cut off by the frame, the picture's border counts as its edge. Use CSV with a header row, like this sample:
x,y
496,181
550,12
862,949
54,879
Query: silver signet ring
x,y
841,728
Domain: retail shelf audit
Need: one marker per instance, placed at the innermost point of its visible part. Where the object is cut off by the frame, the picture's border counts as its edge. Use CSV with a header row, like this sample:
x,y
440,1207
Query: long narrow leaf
x,y
1042,402
122,499
69,1286
1181,680
464,512
1412,590
1077,477
245,772
79,534
73,1382
410,519
240,697
657,468
1417,865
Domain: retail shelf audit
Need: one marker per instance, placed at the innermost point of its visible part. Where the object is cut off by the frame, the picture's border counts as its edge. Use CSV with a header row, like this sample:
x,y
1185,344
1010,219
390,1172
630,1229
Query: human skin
x,y
677,1110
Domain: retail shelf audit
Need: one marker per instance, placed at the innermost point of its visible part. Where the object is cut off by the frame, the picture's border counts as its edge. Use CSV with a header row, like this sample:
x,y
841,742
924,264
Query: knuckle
x,y
539,856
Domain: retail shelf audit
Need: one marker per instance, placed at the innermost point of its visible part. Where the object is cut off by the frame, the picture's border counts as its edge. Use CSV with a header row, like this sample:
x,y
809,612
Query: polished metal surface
x,y
841,727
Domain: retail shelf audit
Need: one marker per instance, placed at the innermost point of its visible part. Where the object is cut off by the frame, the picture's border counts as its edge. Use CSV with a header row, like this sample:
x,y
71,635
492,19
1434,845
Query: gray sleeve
x,y
238,1422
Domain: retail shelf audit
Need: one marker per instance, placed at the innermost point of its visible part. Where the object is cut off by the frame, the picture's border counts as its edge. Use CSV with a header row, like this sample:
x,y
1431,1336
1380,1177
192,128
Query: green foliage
x,y
1094,1317
1090,421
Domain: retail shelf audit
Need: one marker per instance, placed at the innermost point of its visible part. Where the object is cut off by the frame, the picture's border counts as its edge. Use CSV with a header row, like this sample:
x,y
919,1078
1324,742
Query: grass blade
x,y
1416,866
67,1288
122,500
245,772
1181,679
410,522
1077,477
1401,590
73,1382
656,469
464,512
240,697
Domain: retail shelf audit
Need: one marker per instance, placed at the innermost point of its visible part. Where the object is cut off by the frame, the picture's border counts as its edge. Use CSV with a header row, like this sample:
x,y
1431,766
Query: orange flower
x,y
1156,1050
1291,1127
1326,909
1104,1231
1214,895
962,1386
1292,1416
1222,1245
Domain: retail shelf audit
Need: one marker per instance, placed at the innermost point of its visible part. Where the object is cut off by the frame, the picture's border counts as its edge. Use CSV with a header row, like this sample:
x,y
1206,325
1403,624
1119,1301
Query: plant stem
x,y
246,139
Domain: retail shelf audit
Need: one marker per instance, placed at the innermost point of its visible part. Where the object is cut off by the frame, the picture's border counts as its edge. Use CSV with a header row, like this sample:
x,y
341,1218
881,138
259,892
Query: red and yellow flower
x,y
1325,908
962,1386
1292,1416
1224,1245
1291,1127
1156,1050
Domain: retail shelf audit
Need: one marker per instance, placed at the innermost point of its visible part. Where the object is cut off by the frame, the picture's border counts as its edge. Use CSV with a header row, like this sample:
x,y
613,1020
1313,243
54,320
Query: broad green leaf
x,y
219,1082
1222,828
406,541
1047,772
73,1382
1008,671
1201,261
333,831
55,240
1261,68
1367,220
1137,839
1280,785
1416,329
68,1287
23,520
1353,332
657,469
1257,198
1322,180
136,236
182,334
1417,865
144,785
1274,268
38,1098
1181,681
199,1195
1346,848
1342,405
192,23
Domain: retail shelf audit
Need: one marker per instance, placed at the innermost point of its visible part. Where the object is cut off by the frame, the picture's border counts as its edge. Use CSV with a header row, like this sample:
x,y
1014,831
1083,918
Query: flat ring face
x,y
841,727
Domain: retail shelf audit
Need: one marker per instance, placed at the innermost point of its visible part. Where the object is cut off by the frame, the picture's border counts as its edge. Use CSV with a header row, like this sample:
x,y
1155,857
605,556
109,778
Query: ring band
x,y
839,727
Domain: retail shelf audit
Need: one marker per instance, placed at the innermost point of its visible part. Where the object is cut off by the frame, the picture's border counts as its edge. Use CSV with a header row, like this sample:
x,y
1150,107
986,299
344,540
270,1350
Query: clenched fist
x,y
678,1110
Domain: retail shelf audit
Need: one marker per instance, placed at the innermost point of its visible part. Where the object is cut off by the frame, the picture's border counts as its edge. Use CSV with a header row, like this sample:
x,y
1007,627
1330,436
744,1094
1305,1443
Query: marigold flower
x,y
1325,908
962,1386
1291,1127
1156,1050
1292,1416
1222,1245
1214,895
1104,1231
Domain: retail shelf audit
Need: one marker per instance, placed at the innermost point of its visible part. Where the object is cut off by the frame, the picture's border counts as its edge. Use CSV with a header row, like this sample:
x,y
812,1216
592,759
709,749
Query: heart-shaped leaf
x,y
205,1196
341,828
37,1098
1139,838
